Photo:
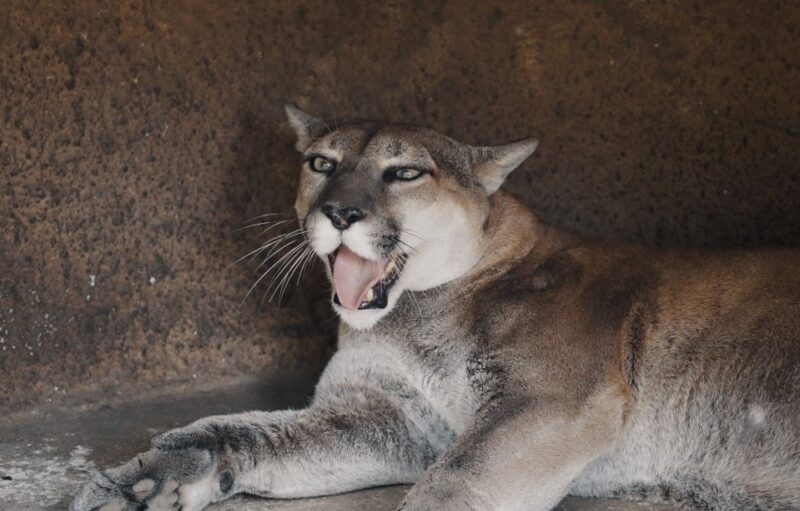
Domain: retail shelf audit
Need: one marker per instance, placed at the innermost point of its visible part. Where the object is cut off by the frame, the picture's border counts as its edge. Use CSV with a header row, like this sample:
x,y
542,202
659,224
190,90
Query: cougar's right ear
x,y
495,163
306,127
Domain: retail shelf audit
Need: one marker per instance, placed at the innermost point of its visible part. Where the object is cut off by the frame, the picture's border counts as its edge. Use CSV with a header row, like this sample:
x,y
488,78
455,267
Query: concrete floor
x,y
46,456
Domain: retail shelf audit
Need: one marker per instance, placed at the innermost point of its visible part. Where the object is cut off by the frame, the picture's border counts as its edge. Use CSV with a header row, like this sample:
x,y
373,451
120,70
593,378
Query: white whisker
x,y
266,272
402,260
286,270
401,242
294,268
271,242
411,233
283,262
280,244
271,223
267,215
307,264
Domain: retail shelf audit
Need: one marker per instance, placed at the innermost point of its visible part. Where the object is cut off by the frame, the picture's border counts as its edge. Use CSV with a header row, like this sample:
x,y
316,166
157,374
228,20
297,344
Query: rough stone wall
x,y
136,137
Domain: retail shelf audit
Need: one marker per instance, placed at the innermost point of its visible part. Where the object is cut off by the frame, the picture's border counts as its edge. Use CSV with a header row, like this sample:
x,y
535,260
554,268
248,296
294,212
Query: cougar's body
x,y
498,363
695,354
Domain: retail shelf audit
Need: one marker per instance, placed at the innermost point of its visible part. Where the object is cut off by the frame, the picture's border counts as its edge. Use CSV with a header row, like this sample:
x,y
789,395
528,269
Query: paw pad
x,y
143,487
167,497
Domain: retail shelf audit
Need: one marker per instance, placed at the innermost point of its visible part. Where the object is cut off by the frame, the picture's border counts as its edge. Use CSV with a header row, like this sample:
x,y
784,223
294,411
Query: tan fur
x,y
511,363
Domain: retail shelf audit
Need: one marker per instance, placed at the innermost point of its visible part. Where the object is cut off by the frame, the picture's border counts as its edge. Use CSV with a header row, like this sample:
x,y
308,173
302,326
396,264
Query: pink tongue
x,y
353,276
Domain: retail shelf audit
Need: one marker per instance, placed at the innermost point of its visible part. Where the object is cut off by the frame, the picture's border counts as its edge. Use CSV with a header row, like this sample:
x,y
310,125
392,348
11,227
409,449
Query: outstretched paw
x,y
157,480
192,436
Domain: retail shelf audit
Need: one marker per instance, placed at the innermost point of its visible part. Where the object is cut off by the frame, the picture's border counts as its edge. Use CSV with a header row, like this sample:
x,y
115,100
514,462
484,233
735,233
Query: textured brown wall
x,y
136,137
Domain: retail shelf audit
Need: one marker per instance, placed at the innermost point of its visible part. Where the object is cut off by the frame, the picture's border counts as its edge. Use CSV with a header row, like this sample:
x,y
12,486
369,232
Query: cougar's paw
x,y
189,437
444,490
186,480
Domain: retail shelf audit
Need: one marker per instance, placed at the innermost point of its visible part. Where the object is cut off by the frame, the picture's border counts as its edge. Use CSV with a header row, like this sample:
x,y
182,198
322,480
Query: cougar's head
x,y
392,207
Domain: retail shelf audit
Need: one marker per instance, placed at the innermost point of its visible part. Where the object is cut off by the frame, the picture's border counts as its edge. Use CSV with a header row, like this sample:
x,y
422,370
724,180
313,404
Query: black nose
x,y
343,217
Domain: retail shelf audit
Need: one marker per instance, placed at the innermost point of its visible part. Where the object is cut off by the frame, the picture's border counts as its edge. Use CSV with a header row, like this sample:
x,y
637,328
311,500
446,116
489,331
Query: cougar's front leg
x,y
518,456
348,439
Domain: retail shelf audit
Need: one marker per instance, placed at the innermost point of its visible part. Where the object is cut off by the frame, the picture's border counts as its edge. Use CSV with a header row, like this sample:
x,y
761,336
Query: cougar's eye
x,y
403,174
406,174
320,164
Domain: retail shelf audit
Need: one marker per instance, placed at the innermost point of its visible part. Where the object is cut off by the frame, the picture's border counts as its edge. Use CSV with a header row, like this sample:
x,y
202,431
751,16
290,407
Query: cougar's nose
x,y
343,217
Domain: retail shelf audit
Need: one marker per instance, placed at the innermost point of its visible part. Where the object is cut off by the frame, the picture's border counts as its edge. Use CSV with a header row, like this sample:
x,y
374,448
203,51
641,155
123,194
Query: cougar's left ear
x,y
307,127
495,163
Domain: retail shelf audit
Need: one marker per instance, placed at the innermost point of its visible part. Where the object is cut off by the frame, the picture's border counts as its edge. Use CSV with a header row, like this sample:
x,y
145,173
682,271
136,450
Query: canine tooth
x,y
370,295
390,266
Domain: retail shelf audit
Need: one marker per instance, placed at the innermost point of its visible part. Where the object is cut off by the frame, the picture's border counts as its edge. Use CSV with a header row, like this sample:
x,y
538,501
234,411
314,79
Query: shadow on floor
x,y
46,457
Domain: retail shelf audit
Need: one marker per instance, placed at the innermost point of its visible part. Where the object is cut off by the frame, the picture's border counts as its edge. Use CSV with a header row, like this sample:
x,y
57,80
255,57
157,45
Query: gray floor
x,y
44,458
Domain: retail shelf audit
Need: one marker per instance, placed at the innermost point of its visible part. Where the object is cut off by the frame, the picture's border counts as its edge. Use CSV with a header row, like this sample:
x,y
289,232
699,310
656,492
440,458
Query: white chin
x,y
366,318
360,319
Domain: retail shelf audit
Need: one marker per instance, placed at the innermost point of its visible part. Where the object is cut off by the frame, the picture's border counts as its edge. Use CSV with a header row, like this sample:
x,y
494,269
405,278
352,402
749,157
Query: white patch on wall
x,y
39,479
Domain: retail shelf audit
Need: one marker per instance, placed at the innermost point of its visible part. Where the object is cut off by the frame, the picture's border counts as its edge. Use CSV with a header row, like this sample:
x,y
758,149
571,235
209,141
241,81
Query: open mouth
x,y
363,283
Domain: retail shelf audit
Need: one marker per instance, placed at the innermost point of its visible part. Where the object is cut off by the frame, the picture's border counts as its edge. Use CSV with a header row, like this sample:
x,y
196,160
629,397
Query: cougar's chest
x,y
431,348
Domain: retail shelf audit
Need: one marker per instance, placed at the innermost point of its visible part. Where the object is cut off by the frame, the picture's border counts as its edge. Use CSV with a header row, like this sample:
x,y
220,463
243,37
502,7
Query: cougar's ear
x,y
306,127
495,163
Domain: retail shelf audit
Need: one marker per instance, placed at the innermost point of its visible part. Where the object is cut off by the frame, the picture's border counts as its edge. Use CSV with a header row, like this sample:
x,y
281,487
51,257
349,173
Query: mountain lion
x,y
498,363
